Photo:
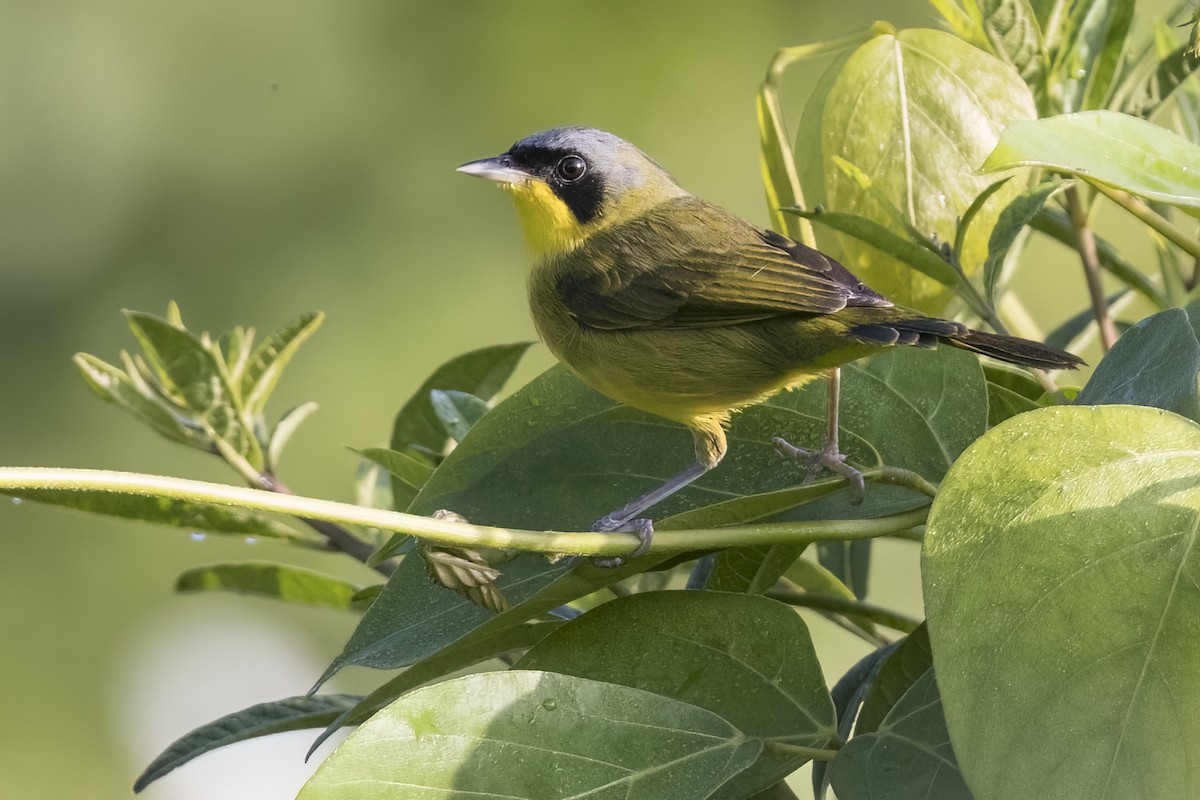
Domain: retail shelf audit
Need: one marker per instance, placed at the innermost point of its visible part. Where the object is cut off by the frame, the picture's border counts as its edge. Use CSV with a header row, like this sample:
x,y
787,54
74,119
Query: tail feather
x,y
929,332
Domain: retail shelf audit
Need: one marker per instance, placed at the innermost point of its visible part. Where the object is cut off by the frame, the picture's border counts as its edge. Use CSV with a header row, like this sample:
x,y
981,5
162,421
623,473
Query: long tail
x,y
929,332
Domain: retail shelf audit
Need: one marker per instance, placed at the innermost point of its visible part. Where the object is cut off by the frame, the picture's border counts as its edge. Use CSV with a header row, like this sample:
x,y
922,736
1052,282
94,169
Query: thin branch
x,y
840,605
1169,230
338,537
815,753
1085,243
22,479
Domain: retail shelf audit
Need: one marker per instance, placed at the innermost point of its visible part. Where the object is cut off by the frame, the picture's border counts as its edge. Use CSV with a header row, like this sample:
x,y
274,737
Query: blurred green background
x,y
253,161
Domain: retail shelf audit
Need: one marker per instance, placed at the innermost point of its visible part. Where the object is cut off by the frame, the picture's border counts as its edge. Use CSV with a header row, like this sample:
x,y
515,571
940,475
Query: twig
x,y
1085,243
1170,231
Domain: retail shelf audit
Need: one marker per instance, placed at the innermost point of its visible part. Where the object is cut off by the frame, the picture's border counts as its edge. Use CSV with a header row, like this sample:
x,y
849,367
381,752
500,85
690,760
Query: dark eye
x,y
571,168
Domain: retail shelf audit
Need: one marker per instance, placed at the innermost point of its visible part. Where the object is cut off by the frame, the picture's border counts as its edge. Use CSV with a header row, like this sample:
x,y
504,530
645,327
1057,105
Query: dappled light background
x,y
253,161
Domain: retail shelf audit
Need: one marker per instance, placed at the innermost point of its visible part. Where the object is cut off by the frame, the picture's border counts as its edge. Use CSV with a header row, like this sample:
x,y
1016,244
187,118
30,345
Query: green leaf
x,y
409,470
1004,403
163,511
480,372
264,719
917,112
1012,220
752,570
282,433
556,455
1091,44
1011,28
466,652
849,562
1155,363
271,357
457,411
533,735
902,668
1106,147
908,756
116,387
191,375
884,240
746,658
1155,86
1060,575
277,581
413,617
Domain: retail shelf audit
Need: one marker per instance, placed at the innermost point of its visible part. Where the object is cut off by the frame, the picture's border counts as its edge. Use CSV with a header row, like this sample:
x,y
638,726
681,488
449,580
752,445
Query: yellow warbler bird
x,y
675,306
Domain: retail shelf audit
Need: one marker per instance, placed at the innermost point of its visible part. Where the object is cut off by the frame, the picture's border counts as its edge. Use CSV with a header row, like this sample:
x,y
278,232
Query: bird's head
x,y
569,183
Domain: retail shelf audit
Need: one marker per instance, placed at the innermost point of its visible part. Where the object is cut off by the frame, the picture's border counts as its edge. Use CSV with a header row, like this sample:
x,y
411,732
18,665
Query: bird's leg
x,y
710,449
829,456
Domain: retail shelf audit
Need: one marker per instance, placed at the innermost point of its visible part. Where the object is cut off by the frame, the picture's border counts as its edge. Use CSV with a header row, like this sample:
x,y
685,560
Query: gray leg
x,y
709,437
829,456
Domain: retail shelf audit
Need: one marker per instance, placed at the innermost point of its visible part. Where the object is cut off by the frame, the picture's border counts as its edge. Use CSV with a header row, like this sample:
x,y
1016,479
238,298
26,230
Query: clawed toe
x,y
826,458
643,528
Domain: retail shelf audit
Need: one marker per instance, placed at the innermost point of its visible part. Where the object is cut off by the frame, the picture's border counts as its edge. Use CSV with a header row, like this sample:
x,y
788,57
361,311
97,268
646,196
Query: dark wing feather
x,y
690,264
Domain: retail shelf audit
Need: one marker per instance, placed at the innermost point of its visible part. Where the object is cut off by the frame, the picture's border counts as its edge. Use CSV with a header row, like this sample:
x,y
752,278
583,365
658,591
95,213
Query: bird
x,y
670,304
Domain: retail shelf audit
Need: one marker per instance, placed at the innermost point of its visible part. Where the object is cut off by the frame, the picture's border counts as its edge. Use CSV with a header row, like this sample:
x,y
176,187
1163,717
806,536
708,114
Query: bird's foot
x,y
644,528
826,458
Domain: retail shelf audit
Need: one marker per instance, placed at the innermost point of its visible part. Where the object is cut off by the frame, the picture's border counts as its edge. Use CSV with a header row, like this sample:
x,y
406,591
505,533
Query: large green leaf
x,y
1062,584
746,658
557,456
909,755
1155,363
917,112
264,719
533,736
1110,148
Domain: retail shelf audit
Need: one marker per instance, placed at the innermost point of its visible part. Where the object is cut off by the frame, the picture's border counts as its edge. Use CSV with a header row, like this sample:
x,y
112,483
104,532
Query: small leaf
x,y
264,719
1155,363
1091,44
1004,403
752,570
457,411
1106,147
747,658
849,562
1156,86
408,470
908,756
904,666
272,356
119,389
1012,220
282,434
1012,29
276,581
480,372
522,734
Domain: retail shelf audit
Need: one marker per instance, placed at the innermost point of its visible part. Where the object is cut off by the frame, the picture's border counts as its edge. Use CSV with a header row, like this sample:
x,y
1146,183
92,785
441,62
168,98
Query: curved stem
x,y
23,479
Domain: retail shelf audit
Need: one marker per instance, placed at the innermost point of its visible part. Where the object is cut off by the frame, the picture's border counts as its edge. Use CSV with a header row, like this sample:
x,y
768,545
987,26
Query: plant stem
x,y
794,596
1170,231
16,480
338,537
1058,227
815,753
1085,243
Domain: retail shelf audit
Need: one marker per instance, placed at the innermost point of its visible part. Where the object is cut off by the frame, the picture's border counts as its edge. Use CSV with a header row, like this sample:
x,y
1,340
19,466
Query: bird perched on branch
x,y
675,306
